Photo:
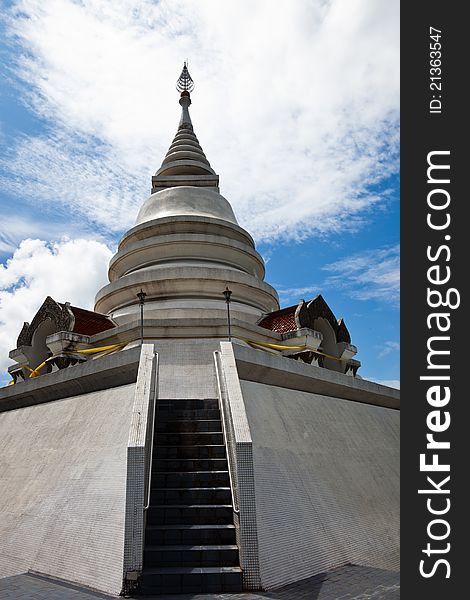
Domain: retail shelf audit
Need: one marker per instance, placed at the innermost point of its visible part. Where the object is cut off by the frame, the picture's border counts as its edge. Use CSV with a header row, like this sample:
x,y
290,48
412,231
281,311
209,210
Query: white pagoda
x,y
188,435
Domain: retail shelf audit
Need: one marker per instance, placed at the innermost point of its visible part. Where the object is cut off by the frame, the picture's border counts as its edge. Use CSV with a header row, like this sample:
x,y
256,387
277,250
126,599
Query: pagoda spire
x,y
185,85
185,82
185,163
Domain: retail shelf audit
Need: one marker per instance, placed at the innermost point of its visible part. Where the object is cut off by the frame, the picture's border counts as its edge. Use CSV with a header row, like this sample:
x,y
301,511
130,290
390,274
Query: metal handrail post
x,y
152,437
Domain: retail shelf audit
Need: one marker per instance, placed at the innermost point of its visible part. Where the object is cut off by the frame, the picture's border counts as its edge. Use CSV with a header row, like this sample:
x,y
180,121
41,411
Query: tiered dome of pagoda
x,y
186,246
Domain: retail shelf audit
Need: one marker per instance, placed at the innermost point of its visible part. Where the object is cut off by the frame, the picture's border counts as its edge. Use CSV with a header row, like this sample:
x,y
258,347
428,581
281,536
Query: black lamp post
x,y
141,296
227,294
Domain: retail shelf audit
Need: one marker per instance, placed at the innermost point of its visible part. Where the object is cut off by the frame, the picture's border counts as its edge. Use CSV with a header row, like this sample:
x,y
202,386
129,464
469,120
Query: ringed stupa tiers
x,y
186,246
185,249
189,435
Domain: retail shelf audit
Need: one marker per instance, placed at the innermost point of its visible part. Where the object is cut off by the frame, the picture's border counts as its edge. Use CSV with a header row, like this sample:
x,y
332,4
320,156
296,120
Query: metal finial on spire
x,y
185,82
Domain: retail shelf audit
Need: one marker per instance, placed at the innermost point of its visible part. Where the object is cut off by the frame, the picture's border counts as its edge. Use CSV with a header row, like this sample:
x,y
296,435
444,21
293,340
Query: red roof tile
x,y
280,320
88,322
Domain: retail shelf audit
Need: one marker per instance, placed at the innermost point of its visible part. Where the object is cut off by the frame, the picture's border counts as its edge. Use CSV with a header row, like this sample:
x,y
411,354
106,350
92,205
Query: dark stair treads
x,y
190,514
194,451
198,495
192,579
174,479
191,556
190,537
194,404
177,415
187,426
188,439
190,534
189,464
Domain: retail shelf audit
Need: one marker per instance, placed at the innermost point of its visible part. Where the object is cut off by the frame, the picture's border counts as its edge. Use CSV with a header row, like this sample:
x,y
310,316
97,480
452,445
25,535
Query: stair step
x,y
190,534
198,413
159,570
175,479
190,514
191,556
190,537
188,404
193,547
189,439
191,579
189,464
190,451
198,495
188,426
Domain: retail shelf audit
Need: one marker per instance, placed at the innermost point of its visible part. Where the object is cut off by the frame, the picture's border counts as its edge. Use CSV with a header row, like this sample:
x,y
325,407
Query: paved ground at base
x,y
345,583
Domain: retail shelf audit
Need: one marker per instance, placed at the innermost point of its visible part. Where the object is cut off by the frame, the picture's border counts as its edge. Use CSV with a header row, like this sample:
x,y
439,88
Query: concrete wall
x,y
186,368
63,487
326,482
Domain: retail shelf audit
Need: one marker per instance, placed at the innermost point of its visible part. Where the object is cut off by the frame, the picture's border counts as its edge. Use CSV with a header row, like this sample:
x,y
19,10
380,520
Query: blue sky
x,y
296,108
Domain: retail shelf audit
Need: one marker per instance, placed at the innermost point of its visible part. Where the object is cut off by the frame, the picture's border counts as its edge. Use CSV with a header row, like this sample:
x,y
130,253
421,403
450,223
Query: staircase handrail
x,y
227,442
152,436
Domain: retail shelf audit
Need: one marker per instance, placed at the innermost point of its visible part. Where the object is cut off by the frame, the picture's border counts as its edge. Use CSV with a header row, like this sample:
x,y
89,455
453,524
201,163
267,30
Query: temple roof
x,y
281,321
305,315
65,318
88,322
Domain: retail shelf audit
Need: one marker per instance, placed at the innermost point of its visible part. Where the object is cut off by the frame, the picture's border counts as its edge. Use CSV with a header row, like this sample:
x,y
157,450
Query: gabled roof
x,y
65,318
304,315
281,321
88,322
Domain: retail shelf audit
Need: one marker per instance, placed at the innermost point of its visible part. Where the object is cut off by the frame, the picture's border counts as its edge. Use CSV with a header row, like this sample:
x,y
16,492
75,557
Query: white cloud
x,y
295,105
69,271
36,225
370,275
388,348
68,173
294,294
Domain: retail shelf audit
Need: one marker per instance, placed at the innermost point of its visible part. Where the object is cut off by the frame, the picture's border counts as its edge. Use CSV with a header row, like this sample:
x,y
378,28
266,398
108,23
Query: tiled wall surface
x,y
318,476
138,450
186,368
241,446
326,482
63,486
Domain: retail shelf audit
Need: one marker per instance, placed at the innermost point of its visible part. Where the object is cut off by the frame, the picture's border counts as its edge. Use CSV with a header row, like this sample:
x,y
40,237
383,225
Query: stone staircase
x,y
190,544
